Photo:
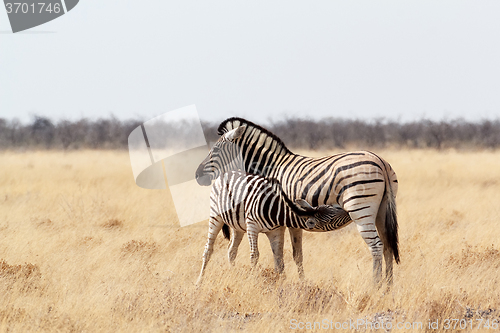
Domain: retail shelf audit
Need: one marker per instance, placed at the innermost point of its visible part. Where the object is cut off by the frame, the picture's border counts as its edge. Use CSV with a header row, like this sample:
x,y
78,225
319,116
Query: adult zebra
x,y
255,204
361,183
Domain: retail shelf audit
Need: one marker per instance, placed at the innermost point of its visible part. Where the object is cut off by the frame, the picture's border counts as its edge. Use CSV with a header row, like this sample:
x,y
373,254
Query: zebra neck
x,y
260,149
292,220
295,220
266,160
293,216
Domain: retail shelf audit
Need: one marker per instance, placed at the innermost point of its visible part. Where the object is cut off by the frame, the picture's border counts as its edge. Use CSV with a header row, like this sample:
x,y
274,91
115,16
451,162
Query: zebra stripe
x,y
349,181
254,204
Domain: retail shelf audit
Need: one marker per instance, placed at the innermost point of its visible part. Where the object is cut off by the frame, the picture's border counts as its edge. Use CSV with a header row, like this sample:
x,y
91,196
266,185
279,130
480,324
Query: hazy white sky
x,y
257,59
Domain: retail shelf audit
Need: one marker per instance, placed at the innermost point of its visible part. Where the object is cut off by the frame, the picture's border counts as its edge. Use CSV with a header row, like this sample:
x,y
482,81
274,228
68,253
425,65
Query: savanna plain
x,y
83,249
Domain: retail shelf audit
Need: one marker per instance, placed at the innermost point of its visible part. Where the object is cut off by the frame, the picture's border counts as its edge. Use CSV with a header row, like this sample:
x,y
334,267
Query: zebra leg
x,y
253,237
277,239
233,246
368,231
214,226
388,265
296,239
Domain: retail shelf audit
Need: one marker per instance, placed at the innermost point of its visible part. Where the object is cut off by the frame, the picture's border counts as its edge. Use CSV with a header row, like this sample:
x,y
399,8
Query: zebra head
x,y
224,156
317,217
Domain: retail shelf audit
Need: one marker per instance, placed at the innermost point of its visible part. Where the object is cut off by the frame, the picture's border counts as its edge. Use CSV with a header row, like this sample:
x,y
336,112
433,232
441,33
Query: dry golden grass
x,y
82,248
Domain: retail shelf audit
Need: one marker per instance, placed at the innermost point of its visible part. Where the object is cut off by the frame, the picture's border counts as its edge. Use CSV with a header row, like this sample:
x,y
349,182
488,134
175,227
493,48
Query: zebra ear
x,y
235,133
304,205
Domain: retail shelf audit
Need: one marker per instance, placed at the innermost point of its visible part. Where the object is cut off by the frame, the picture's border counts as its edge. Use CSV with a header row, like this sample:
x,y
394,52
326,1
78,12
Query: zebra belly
x,y
330,227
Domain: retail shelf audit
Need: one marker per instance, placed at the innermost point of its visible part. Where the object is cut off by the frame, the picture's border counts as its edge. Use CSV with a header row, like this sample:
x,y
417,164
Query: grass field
x,y
82,248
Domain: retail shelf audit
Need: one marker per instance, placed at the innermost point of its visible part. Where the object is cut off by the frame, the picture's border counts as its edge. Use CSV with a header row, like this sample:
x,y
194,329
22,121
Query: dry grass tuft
x,y
145,249
47,223
21,278
112,224
24,271
476,256
309,298
269,276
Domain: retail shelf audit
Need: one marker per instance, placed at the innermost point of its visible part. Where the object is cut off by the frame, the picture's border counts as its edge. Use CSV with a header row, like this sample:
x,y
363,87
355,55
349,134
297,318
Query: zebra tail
x,y
225,231
391,223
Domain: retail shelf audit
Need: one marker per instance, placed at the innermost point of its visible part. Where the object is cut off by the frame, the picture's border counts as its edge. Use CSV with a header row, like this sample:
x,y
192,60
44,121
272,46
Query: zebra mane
x,y
234,122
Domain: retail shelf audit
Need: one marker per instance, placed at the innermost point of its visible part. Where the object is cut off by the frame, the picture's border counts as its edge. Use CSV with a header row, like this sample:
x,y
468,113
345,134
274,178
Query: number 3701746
x,y
40,7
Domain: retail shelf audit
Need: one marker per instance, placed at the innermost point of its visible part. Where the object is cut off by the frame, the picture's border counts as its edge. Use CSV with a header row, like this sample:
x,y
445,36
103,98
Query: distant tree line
x,y
342,133
111,133
42,133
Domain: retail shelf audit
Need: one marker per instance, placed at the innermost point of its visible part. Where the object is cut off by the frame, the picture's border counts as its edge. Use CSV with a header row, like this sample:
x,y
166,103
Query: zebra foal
x,y
253,204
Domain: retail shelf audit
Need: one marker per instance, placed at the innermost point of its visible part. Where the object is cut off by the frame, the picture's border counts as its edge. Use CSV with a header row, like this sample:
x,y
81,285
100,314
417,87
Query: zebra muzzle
x,y
202,178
